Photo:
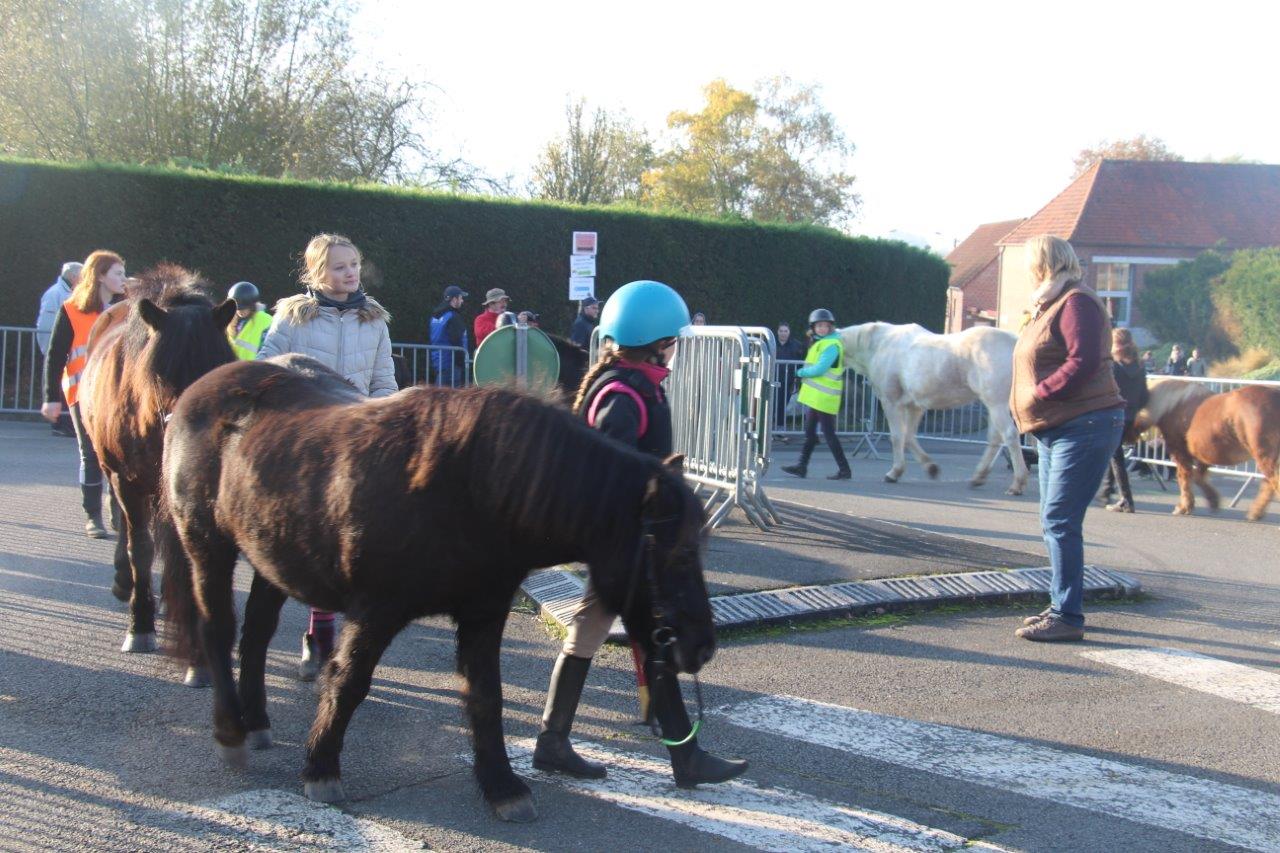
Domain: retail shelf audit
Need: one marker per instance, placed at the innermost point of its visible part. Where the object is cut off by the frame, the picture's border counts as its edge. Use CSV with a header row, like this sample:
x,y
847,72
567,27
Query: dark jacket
x,y
792,350
455,329
1131,379
581,331
618,416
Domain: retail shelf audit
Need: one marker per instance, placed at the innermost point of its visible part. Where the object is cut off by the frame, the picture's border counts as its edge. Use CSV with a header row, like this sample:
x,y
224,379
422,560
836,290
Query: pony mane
x,y
1166,396
519,452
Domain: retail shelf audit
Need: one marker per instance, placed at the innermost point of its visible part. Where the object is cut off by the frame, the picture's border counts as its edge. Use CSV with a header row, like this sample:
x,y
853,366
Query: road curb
x,y
557,592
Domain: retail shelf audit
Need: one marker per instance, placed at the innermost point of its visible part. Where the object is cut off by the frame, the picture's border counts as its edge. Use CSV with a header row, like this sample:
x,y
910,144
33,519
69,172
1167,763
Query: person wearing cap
x,y
622,397
249,326
585,323
52,299
495,302
448,329
821,387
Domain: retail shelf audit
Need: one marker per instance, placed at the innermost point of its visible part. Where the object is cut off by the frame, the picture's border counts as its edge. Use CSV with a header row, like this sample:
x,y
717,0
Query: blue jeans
x,y
1073,458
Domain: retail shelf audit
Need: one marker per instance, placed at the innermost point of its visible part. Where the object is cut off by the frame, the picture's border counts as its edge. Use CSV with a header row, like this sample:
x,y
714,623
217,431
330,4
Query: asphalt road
x,y
930,732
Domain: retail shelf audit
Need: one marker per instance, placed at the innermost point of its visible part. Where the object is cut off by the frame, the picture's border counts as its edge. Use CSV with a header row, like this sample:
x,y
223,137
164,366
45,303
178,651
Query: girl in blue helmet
x,y
622,397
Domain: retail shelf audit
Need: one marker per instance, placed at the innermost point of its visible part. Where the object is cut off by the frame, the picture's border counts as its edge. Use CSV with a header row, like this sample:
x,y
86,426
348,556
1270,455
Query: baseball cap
x,y
453,290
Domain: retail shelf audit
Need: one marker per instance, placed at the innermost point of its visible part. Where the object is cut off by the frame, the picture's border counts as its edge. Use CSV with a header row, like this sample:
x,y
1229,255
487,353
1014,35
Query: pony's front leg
x,y
897,439
261,615
344,684
1211,495
141,636
1186,498
478,643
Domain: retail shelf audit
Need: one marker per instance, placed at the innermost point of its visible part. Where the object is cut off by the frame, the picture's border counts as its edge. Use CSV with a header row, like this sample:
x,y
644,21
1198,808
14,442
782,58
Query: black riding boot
x,y
842,462
690,764
91,500
554,751
801,468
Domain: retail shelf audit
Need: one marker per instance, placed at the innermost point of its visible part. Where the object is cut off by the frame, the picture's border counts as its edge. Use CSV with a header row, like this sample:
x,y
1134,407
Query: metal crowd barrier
x,y
721,391
22,368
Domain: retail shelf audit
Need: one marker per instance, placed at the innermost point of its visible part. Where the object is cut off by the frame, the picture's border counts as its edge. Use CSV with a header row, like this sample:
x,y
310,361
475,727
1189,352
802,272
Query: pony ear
x,y
675,464
152,314
223,313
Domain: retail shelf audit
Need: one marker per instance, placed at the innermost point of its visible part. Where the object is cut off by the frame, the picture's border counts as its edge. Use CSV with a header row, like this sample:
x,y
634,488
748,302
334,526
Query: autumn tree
x,y
259,86
1140,147
598,160
774,154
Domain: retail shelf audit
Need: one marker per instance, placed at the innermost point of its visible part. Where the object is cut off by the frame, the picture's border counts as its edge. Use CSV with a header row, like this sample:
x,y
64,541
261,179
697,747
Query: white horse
x,y
913,370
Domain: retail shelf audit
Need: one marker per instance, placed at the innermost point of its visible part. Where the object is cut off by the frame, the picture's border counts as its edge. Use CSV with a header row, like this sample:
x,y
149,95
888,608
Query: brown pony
x,y
1202,429
430,501
144,353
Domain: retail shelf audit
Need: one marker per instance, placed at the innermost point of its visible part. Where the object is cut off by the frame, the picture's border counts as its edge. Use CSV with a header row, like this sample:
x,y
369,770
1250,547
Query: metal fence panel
x,y
21,370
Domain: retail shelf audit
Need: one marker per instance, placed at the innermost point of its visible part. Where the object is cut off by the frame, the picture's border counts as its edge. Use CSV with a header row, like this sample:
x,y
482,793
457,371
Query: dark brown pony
x,y
1201,429
430,501
144,353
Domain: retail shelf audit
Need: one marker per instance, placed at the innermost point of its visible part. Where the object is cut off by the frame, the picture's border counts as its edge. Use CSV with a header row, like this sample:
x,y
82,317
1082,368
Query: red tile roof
x,y
978,249
1159,203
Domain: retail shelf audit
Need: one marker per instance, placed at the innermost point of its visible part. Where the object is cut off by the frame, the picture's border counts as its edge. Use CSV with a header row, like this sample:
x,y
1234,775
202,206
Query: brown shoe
x,y
1031,620
1051,629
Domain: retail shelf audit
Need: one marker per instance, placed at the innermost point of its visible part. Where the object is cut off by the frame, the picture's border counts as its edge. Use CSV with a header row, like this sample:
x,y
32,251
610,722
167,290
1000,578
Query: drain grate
x,y
558,591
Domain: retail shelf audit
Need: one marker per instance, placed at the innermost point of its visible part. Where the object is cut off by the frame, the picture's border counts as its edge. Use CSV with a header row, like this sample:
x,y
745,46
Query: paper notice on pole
x,y
581,288
582,266
584,243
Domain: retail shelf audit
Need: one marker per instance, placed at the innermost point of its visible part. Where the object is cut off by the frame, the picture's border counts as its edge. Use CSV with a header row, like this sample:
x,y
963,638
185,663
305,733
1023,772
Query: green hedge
x,y
416,243
1250,291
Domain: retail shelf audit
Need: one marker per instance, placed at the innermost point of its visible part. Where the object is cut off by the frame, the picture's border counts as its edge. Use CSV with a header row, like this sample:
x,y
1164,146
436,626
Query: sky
x,y
961,112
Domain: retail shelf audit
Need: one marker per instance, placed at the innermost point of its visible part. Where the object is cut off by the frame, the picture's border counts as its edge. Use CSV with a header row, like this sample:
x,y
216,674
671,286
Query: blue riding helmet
x,y
642,312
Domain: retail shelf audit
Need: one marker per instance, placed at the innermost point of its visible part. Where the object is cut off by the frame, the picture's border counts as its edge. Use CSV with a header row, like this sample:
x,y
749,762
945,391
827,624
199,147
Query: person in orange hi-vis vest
x,y
101,283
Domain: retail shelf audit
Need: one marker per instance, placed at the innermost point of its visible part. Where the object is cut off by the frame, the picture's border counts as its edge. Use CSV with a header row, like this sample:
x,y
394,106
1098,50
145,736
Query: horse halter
x,y
664,635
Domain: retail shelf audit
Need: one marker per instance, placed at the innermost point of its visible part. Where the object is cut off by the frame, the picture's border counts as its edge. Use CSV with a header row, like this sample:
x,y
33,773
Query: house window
x,y
1115,287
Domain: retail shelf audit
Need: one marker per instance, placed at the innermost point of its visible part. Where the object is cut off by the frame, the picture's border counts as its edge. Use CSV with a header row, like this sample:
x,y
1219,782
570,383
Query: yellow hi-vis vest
x,y
248,341
823,392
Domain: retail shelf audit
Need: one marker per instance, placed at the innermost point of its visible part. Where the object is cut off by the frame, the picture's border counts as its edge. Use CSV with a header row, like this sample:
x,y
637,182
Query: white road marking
x,y
279,820
1199,807
1222,678
763,818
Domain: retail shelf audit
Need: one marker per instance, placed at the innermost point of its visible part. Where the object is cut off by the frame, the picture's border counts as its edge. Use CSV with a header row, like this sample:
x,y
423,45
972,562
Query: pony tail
x,y
609,356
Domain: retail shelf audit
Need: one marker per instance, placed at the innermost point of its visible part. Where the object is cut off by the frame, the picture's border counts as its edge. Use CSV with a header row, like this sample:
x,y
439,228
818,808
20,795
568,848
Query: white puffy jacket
x,y
355,344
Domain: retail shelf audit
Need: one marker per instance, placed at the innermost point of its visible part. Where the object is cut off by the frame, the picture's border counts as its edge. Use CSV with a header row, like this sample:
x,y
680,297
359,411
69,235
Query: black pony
x,y
431,501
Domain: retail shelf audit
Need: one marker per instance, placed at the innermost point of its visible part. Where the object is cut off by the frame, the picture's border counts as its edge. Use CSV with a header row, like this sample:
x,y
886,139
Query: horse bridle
x,y
664,634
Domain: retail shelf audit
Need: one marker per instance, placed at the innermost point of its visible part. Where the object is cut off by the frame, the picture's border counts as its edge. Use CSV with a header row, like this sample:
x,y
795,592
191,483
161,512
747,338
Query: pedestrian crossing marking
x,y
1199,807
1222,678
764,818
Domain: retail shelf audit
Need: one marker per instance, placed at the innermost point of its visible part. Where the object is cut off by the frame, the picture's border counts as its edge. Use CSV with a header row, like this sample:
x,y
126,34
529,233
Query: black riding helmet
x,y
818,315
245,294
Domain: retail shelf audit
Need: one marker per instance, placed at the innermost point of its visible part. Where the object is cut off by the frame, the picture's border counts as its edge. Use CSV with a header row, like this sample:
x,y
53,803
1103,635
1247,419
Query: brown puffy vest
x,y
1039,353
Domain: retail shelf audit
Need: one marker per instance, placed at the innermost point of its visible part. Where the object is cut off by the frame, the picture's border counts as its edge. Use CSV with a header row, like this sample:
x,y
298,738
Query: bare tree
x,y
595,162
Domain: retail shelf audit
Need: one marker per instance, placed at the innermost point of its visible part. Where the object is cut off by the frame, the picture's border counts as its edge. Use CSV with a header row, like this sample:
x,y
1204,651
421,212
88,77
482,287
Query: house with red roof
x,y
1127,217
973,288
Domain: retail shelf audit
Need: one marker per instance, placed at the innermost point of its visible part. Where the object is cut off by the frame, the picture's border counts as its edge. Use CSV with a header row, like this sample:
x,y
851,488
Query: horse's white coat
x,y
913,370
762,818
1202,808
1221,678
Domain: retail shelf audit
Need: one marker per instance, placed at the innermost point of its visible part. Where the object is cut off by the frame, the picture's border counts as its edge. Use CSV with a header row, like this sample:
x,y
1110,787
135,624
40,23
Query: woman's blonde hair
x,y
315,259
1048,255
1123,349
86,295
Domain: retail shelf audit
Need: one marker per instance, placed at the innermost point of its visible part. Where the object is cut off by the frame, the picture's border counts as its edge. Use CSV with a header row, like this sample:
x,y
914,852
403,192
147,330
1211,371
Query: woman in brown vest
x,y
1064,394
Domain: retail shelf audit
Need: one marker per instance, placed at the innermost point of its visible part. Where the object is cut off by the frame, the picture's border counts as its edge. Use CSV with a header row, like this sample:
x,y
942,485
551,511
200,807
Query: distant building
x,y
973,288
1127,217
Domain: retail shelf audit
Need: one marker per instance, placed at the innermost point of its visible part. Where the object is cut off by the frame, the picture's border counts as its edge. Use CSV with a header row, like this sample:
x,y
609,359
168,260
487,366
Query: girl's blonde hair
x,y
610,354
315,259
1123,349
86,295
1048,255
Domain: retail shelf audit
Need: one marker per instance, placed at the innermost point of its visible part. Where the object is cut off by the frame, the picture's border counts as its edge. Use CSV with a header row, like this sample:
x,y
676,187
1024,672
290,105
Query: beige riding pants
x,y
588,625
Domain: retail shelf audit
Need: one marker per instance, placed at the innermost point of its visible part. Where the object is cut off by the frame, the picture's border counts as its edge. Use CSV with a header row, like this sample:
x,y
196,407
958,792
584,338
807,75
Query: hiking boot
x,y
93,527
796,470
1031,620
1051,629
1120,506
844,474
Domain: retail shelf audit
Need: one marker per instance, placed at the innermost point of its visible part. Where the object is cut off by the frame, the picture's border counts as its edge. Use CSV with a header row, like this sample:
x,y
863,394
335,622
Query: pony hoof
x,y
260,739
519,809
197,676
121,594
891,478
324,791
977,484
1181,510
138,643
932,470
235,757
1013,490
